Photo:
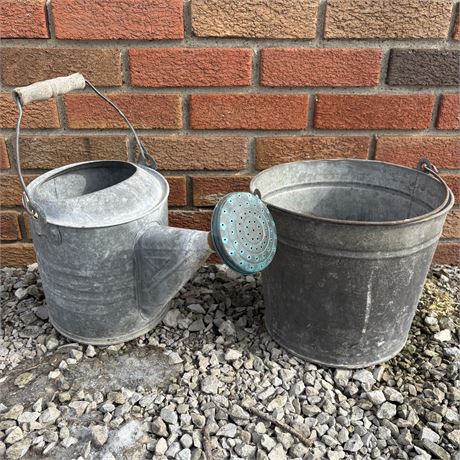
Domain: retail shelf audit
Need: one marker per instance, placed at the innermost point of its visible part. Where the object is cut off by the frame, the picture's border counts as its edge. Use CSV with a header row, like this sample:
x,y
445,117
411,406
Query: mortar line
x,y
185,113
159,132
403,90
320,23
255,68
455,8
384,68
251,156
311,111
125,73
188,19
231,42
434,114
50,20
372,147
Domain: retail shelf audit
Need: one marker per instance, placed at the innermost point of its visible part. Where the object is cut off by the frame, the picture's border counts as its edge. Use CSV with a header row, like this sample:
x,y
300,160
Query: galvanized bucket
x,y
355,242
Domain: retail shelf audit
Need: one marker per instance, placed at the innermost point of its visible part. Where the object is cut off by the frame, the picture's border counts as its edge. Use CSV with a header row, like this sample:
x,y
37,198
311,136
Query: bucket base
x,y
279,341
115,340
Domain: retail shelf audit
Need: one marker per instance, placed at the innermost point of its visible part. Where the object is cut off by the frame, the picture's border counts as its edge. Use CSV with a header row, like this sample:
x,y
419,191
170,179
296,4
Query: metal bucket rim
x,y
443,208
56,171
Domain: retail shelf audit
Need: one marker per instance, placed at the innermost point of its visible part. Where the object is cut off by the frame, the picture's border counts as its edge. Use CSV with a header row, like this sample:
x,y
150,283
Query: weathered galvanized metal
x,y
355,242
108,261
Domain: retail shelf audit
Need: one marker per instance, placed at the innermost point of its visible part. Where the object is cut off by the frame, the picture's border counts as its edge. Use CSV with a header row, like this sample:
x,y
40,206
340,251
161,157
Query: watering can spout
x,y
165,259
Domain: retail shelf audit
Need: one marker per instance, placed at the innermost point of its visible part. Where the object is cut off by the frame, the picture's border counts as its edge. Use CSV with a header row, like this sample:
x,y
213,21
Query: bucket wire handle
x,y
427,167
47,89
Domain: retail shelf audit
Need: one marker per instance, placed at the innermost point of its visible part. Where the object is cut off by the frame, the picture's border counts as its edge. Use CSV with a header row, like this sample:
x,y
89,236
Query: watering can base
x,y
143,329
334,365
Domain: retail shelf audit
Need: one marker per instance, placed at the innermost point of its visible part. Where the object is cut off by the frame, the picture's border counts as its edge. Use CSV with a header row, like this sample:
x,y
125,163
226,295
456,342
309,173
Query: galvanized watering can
x,y
108,260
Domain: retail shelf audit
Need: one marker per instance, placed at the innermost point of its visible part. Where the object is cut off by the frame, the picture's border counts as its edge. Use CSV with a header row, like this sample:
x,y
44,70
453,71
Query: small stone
x,y
386,411
171,318
184,454
233,355
436,450
454,437
238,412
267,442
23,379
159,427
14,412
278,402
428,434
227,328
364,376
443,336
174,358
14,435
53,375
342,376
79,406
27,417
52,343
99,435
161,446
196,308
21,293
50,415
90,351
277,453
76,354
228,430
393,395
353,444
169,416
69,441
18,450
376,397
41,312
198,420
107,407
186,440
210,385
196,326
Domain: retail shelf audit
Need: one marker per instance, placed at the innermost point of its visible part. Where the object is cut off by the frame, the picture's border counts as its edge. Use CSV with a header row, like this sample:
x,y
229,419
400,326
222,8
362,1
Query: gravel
x,y
209,379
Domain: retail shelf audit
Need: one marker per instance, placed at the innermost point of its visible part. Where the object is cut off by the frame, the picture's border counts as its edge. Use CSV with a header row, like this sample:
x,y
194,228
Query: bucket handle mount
x,y
54,87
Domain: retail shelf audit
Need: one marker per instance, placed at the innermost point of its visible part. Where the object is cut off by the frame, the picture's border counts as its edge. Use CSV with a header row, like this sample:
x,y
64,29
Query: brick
x,y
195,220
177,191
320,67
23,66
9,226
118,19
42,114
387,19
424,67
208,190
142,110
17,254
271,151
47,152
444,152
453,181
23,19
452,224
447,253
4,160
356,111
246,18
248,111
449,112
199,153
11,190
177,67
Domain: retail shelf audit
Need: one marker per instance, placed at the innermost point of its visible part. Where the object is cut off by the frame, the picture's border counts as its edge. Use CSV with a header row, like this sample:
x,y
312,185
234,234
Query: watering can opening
x,y
84,179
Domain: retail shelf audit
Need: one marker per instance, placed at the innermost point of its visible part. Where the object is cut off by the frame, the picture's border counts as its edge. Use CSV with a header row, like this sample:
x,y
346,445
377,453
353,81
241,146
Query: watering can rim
x,y
111,219
443,208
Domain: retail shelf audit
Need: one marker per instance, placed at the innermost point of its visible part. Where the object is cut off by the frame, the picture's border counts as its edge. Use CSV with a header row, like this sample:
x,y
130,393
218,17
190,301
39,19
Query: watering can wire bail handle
x,y
47,89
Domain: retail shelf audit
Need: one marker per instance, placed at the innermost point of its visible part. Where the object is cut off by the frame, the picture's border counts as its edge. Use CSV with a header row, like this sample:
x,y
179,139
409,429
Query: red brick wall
x,y
220,89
